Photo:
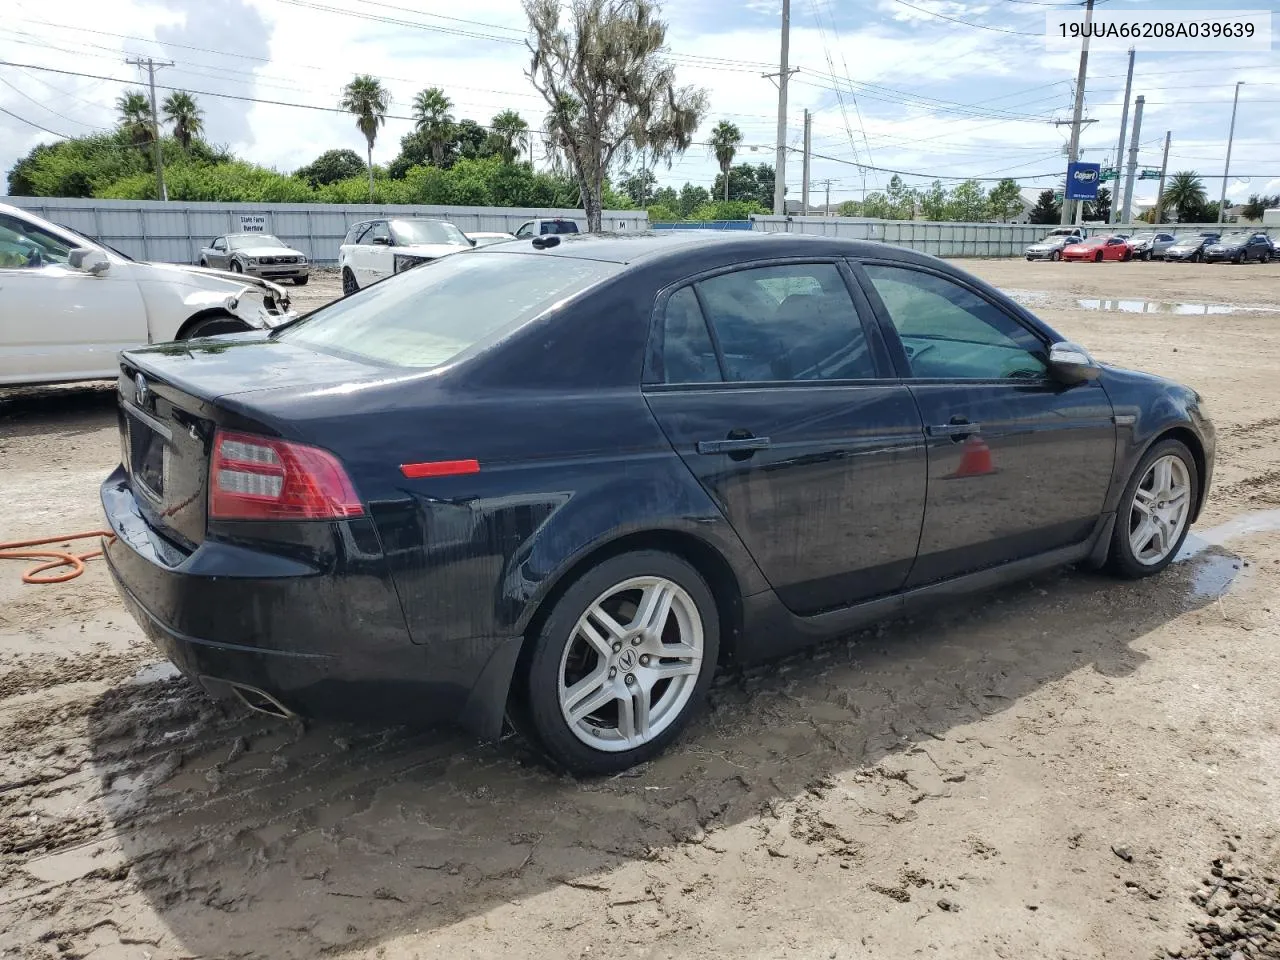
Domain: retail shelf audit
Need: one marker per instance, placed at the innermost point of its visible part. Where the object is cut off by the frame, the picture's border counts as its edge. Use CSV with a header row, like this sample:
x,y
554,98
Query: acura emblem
x,y
142,391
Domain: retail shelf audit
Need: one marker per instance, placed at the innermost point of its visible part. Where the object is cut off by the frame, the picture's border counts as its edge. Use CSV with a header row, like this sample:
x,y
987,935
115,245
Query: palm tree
x,y
135,117
1185,193
512,130
431,115
367,100
724,144
181,110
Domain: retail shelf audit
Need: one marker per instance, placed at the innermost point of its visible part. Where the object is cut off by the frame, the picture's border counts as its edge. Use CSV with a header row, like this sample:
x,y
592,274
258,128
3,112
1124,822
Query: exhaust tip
x,y
259,701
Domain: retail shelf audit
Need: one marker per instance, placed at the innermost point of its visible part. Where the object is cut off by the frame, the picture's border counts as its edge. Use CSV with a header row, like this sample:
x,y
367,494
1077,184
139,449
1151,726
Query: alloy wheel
x,y
1161,506
348,283
632,664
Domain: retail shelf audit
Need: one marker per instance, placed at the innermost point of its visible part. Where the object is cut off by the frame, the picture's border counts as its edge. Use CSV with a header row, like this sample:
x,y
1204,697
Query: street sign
x,y
1057,195
1083,180
1110,173
1149,175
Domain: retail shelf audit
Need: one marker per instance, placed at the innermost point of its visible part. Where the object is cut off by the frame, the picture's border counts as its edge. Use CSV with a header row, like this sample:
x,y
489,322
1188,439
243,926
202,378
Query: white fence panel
x,y
175,231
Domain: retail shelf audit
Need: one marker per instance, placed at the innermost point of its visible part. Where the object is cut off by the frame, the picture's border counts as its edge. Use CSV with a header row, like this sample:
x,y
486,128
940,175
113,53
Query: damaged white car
x,y
69,304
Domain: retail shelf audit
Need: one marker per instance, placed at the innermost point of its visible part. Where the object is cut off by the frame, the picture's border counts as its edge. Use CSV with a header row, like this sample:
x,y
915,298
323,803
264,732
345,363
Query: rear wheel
x,y
213,325
349,285
621,663
1155,511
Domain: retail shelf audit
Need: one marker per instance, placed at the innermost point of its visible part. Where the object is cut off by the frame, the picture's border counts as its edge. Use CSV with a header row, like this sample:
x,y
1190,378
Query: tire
x,y
236,267
1240,257
1126,256
1055,256
204,263
1126,560
1097,257
214,325
349,285
612,672
1146,256
1029,259
1198,257
301,281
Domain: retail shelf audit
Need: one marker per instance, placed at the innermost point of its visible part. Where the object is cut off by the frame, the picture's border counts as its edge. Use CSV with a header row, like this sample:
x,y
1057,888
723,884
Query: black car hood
x,y
244,363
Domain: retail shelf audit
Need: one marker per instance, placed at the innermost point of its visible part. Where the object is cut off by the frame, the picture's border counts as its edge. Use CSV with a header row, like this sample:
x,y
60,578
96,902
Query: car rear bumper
x,y
290,637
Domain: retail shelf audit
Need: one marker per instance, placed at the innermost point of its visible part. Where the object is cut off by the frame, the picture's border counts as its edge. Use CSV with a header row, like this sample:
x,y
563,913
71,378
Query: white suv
x,y
376,249
69,304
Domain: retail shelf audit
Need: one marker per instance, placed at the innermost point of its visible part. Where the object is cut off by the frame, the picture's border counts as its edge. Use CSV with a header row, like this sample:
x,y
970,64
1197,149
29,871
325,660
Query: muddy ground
x,y
1048,771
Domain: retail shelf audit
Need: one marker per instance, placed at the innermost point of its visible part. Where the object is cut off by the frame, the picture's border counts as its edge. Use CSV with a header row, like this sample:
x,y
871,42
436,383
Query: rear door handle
x,y
738,445
954,430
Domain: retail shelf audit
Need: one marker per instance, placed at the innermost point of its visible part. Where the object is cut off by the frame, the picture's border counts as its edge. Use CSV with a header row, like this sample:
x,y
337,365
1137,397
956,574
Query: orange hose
x,y
54,559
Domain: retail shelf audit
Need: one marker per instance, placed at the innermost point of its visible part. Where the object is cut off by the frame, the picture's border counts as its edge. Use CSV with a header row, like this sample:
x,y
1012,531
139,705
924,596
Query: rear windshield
x,y
428,315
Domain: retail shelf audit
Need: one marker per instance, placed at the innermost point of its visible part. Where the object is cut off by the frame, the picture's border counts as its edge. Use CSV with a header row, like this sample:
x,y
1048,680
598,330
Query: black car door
x,y
777,392
1019,463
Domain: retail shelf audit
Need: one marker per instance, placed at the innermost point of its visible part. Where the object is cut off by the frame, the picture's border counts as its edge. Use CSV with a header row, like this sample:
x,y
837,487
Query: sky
x,y
940,88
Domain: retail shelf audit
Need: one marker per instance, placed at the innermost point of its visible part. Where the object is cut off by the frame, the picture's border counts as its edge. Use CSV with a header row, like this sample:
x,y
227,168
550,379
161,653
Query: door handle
x,y
747,445
957,429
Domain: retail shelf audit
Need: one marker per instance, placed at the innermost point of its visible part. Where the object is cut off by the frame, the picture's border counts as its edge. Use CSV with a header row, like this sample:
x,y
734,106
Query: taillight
x,y
261,478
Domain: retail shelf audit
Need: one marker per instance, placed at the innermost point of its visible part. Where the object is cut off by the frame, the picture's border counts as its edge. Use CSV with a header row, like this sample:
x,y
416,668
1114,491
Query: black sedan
x,y
561,480
1240,248
1190,246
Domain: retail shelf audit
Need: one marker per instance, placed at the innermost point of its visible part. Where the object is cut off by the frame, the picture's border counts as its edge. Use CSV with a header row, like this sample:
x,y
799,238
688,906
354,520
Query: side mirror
x,y
1070,363
382,241
89,260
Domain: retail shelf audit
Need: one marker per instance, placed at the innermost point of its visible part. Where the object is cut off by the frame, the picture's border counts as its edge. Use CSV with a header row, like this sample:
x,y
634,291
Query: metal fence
x,y
965,239
704,225
175,231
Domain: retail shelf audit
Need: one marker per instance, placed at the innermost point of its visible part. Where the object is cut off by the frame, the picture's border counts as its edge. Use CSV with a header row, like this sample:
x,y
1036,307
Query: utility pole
x,y
1164,168
1124,122
157,153
1222,200
808,146
780,163
1073,152
1133,154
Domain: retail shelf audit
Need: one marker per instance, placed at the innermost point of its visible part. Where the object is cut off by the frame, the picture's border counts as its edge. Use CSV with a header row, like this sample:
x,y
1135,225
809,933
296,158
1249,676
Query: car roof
x,y
654,245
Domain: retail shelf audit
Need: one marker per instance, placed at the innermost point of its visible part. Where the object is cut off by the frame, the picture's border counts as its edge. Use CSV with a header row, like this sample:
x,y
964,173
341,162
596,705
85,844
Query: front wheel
x,y
349,285
1056,255
300,281
237,267
213,326
1097,258
621,663
1155,511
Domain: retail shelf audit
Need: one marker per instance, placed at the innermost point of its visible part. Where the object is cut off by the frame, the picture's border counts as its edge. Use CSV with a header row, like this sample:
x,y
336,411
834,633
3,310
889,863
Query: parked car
x,y
257,254
1190,246
1050,248
1240,248
1150,246
69,304
553,225
376,249
599,466
1098,249
484,239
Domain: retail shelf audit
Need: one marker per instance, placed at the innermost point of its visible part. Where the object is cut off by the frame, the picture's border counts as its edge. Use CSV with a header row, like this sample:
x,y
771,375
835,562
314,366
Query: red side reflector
x,y
439,468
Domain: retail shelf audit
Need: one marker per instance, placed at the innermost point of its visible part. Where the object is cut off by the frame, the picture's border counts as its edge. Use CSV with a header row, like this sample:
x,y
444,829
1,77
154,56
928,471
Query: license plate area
x,y
148,456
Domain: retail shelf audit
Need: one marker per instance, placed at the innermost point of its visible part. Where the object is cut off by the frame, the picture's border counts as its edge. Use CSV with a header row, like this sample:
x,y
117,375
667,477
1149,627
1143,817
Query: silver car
x,y
257,254
1151,246
1050,248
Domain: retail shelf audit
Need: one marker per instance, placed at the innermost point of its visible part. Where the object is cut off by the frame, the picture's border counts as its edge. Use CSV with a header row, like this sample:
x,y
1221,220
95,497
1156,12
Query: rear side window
x,y
427,316
782,323
687,353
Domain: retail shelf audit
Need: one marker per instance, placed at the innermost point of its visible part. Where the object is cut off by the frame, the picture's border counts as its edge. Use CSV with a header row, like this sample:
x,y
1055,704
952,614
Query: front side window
x,y
471,300
949,332
218,244
789,322
24,245
377,233
526,230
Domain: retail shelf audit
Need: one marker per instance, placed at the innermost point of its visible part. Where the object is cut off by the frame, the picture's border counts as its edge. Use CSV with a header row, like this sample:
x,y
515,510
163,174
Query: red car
x,y
1098,249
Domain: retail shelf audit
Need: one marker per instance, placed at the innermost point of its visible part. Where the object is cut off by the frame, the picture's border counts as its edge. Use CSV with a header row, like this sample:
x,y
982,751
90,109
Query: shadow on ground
x,y
251,837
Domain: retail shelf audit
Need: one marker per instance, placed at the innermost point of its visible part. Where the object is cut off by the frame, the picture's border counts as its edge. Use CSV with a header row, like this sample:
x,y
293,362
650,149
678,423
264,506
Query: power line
x,y
32,99
32,123
967,23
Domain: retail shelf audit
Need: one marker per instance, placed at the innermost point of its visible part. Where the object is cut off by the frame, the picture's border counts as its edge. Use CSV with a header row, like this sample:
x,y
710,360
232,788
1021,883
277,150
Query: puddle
x,y
1215,571
154,673
1171,307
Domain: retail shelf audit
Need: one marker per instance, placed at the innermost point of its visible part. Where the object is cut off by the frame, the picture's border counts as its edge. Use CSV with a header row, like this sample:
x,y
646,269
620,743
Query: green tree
x,y
184,115
748,183
691,198
639,185
849,208
367,100
330,167
1100,209
876,205
470,142
668,197
1005,200
933,202
512,132
727,210
1047,209
609,59
1185,194
133,112
432,116
968,203
1258,205
663,213
725,138
901,199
